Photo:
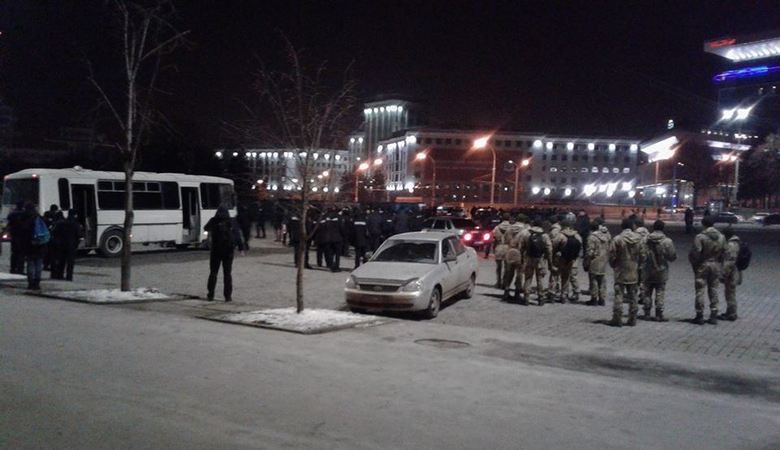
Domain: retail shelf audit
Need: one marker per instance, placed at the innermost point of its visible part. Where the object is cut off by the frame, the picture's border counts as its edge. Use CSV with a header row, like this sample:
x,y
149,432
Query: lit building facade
x,y
557,168
381,119
277,171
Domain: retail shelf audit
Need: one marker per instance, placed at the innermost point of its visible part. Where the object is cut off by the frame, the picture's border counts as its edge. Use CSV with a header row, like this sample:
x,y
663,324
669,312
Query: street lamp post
x,y
421,157
484,142
523,163
361,168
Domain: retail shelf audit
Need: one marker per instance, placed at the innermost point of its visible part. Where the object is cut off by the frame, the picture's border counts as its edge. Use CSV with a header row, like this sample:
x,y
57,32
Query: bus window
x,y
170,195
21,190
214,194
64,187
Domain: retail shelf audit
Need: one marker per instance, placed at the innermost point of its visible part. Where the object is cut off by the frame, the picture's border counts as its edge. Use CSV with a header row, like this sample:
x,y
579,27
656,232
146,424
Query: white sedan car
x,y
413,272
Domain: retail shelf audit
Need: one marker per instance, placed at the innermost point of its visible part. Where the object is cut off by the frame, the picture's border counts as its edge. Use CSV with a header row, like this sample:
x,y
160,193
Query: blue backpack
x,y
41,235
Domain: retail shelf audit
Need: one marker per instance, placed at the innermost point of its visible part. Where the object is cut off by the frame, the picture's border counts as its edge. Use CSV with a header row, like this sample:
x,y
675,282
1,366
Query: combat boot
x,y
602,302
659,316
730,314
646,315
506,295
631,319
592,302
617,320
517,297
713,320
541,300
699,319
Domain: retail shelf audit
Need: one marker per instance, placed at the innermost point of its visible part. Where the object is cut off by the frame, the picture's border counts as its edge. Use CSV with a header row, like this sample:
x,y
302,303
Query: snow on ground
x,y
309,321
112,295
5,276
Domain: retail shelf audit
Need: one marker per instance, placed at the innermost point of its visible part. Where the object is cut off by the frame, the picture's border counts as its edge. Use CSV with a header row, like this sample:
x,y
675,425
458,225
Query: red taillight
x,y
467,237
486,237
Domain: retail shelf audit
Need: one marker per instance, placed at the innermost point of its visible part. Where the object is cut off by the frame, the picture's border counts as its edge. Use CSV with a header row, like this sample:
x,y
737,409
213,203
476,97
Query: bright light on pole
x,y
480,143
422,156
378,162
361,168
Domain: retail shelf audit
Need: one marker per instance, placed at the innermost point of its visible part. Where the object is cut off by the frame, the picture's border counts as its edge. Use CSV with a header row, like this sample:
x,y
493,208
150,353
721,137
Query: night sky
x,y
576,67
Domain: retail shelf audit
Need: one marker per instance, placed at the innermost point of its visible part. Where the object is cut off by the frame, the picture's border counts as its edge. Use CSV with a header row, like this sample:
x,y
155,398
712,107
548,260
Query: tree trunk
x,y
303,238
128,230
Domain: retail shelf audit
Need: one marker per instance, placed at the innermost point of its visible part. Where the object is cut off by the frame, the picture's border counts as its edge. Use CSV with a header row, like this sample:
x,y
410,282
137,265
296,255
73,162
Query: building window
x,y
544,157
627,159
448,141
552,179
584,170
498,142
575,158
438,140
553,169
604,170
554,157
457,141
518,143
584,157
595,169
615,170
564,157
563,180
528,178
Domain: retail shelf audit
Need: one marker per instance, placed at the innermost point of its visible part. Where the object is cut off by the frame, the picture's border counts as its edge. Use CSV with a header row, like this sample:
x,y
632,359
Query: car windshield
x,y
463,224
408,251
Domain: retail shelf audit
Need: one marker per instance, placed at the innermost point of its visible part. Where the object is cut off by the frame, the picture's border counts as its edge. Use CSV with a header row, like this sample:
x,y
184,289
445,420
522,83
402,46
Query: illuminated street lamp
x,y
481,143
422,156
523,163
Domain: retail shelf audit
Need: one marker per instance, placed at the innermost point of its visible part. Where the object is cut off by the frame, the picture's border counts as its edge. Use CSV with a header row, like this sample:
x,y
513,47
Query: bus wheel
x,y
112,243
182,246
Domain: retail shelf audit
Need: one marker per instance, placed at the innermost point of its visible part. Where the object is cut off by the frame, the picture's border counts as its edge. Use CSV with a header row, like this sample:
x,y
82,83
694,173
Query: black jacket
x,y
374,224
225,235
359,232
66,233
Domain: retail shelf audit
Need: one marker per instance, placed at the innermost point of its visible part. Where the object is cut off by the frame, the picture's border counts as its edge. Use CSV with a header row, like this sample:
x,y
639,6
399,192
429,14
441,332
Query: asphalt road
x,y
82,376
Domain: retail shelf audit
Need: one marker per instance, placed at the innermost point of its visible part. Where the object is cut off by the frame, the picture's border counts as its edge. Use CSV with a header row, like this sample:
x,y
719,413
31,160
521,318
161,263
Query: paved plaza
x,y
265,279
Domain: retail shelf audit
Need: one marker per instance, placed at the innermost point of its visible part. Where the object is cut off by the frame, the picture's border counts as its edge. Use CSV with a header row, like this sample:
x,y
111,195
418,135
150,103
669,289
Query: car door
x,y
449,280
466,260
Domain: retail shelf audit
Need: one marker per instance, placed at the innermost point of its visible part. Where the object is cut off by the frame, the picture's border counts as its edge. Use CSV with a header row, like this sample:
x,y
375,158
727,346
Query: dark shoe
x,y
541,301
659,317
631,320
592,303
210,297
575,299
713,320
505,297
731,317
307,266
228,299
615,322
602,302
335,270
646,315
699,319
517,298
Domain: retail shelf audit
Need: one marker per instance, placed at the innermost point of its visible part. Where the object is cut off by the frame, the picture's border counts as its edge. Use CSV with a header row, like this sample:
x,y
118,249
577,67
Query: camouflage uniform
x,y
500,250
706,258
567,270
732,277
597,254
641,231
660,252
513,260
535,266
625,253
555,275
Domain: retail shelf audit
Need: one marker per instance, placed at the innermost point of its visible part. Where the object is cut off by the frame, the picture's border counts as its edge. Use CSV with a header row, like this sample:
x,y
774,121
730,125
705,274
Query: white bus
x,y
170,208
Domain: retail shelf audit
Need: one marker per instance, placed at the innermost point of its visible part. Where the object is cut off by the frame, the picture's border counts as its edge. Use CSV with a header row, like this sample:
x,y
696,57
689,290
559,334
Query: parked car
x,y
759,217
727,217
470,233
772,219
450,211
413,272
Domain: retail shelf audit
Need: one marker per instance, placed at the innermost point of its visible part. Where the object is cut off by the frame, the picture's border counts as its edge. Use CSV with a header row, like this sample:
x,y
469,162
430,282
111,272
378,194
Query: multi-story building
x,y
598,169
381,120
278,171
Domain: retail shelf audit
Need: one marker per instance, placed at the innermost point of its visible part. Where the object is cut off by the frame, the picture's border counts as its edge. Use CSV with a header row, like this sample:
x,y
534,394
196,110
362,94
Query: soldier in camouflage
x,y
706,258
596,257
660,252
625,254
555,275
537,252
732,276
567,263
513,259
500,248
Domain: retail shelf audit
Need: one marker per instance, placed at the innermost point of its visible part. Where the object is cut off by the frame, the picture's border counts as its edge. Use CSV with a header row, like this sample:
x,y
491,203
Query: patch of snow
x,y
112,295
4,276
309,321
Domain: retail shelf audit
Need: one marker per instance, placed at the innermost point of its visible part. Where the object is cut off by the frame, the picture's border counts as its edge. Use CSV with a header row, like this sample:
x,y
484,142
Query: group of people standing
x,y
639,259
39,243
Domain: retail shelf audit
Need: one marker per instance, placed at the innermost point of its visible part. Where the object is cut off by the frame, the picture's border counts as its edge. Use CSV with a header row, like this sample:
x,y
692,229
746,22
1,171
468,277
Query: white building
x,y
599,169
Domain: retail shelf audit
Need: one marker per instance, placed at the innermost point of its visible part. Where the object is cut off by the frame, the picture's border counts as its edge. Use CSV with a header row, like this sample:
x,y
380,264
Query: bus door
x,y
84,203
190,214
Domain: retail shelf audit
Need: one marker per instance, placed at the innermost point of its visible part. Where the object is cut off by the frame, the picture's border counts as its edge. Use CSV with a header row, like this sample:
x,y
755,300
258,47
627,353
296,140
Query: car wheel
x,y
433,304
469,292
112,243
358,310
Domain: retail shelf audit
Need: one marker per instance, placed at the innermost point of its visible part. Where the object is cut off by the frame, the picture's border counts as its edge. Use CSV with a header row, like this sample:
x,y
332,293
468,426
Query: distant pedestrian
x,y
688,220
244,223
706,258
374,224
359,237
225,237
48,218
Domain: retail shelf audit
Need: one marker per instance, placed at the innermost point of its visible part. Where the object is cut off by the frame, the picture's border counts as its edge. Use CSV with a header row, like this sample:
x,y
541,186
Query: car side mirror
x,y
450,258
369,255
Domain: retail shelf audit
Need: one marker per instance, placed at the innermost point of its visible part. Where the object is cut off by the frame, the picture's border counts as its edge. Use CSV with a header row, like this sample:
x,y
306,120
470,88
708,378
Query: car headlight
x,y
415,285
351,283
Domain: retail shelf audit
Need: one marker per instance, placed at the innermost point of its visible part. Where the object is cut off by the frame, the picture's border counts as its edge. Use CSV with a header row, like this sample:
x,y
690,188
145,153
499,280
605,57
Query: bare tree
x,y
306,109
147,35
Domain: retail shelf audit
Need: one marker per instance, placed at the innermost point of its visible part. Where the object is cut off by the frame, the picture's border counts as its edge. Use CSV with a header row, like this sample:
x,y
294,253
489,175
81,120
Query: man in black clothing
x,y
66,234
225,236
359,237
294,235
14,228
688,220
245,224
333,240
374,224
48,218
